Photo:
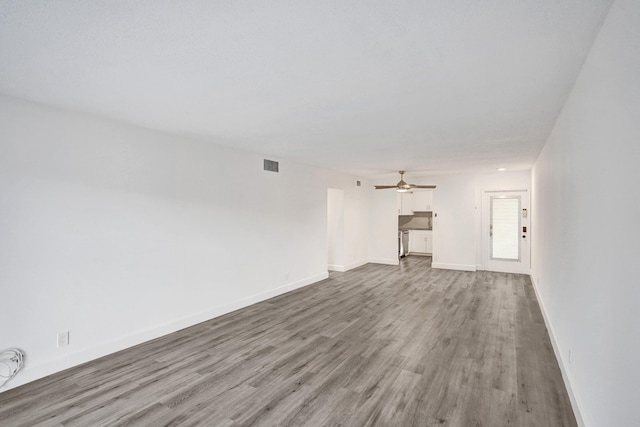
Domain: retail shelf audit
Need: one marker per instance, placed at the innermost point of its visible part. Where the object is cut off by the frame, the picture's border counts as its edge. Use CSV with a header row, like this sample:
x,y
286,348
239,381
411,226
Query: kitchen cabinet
x,y
421,241
405,203
422,201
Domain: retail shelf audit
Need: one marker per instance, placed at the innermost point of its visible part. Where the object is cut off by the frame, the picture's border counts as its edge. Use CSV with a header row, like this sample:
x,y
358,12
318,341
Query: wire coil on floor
x,y
11,361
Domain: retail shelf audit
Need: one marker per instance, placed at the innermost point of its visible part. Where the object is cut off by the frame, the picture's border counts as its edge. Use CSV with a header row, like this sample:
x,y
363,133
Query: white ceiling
x,y
360,86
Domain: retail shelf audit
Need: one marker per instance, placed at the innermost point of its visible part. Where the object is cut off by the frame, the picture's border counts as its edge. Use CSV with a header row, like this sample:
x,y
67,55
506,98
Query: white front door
x,y
505,231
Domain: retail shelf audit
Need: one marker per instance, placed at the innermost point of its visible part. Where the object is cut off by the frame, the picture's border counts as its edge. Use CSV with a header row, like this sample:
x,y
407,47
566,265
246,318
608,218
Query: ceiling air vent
x,y
270,165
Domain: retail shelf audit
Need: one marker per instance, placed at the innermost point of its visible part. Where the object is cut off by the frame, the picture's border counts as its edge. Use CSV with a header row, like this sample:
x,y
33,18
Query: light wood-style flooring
x,y
379,345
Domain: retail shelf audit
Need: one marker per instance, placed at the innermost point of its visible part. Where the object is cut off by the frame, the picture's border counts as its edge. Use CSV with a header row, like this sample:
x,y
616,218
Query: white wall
x,y
586,241
454,240
347,222
356,223
456,228
383,237
120,234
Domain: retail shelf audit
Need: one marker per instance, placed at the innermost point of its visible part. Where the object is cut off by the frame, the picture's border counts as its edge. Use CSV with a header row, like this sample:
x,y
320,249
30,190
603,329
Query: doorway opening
x,y
335,229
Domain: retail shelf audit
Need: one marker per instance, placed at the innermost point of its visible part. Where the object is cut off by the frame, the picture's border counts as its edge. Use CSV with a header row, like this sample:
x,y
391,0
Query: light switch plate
x,y
63,339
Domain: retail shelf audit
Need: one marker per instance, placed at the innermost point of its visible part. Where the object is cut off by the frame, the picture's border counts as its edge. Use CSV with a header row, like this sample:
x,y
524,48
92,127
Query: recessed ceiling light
x,y
502,169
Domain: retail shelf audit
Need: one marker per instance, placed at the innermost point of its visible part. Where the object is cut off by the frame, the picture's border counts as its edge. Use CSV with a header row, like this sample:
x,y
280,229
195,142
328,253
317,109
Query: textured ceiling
x,y
359,86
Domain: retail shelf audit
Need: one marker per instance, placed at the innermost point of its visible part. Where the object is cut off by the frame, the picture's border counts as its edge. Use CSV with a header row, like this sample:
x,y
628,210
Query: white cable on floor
x,y
12,359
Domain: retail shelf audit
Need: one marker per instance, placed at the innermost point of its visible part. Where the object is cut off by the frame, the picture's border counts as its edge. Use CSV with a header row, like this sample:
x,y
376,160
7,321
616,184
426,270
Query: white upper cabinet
x,y
422,201
405,204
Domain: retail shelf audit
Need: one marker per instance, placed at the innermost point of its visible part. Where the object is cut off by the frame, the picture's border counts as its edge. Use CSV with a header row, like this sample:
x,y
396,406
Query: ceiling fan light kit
x,y
403,187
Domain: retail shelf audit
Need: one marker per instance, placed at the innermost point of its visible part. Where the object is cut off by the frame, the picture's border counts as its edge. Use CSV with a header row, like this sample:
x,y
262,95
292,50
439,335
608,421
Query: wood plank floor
x,y
379,345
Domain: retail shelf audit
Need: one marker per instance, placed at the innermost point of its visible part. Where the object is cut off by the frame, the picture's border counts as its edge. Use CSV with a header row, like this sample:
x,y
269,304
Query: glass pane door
x,y
505,228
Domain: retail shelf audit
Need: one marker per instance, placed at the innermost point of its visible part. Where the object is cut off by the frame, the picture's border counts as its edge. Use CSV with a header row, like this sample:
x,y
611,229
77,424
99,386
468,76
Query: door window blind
x,y
504,228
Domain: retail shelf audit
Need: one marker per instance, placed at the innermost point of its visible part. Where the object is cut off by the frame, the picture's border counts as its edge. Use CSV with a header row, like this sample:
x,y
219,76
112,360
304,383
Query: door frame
x,y
523,266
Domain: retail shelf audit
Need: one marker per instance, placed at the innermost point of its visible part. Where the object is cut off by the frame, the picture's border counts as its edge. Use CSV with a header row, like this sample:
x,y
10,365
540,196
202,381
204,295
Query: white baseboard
x,y
356,264
343,268
462,267
35,372
335,267
384,261
565,373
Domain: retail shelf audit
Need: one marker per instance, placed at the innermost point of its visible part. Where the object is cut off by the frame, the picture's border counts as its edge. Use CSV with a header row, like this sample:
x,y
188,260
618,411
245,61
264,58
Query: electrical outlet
x,y
286,276
569,357
63,339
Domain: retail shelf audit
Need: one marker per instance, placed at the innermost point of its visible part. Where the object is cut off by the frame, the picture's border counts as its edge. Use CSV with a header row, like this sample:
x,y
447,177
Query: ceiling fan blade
x,y
403,186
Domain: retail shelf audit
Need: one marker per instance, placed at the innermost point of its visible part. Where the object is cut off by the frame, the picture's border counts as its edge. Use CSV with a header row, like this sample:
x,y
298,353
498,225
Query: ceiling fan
x,y
403,187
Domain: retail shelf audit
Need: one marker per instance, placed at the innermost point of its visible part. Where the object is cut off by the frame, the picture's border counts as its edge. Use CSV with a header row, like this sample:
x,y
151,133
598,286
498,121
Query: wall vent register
x,y
271,166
